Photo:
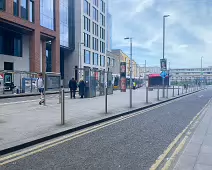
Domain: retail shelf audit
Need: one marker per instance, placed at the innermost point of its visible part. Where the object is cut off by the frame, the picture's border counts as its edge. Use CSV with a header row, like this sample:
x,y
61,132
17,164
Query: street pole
x,y
201,77
80,58
164,22
130,38
130,72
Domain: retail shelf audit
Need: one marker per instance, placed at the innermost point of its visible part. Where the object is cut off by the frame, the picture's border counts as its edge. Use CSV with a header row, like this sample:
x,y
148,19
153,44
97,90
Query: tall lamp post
x,y
130,38
164,30
201,74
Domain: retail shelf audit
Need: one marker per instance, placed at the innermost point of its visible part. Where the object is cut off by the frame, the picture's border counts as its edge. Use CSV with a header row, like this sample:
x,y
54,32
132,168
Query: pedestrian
x,y
40,86
134,85
81,88
72,87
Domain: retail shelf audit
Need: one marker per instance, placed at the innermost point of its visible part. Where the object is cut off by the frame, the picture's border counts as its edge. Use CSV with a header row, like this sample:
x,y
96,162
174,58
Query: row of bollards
x,y
187,90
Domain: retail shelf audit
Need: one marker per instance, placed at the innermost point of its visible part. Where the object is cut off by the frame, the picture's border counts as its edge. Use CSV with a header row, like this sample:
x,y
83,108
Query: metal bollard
x,y
147,97
178,90
106,99
173,92
158,94
167,92
60,96
62,107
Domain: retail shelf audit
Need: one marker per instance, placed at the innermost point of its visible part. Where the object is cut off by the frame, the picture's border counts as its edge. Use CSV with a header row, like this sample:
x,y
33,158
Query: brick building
x,y
25,28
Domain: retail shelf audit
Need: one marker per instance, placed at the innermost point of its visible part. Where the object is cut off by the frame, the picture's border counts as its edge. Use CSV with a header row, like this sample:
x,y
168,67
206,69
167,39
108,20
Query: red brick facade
x,y
37,33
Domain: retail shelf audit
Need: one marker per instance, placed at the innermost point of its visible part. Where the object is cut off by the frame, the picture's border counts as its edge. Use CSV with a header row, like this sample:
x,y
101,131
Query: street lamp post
x,y
164,29
201,74
130,38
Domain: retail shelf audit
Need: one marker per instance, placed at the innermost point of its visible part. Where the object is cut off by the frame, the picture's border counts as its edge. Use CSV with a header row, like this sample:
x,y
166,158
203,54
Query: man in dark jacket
x,y
81,88
73,87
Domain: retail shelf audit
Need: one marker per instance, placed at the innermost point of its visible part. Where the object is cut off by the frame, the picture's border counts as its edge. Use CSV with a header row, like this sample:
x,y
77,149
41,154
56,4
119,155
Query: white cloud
x,y
188,30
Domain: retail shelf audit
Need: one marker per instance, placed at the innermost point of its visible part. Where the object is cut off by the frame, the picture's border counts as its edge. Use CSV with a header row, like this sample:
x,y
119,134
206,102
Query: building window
x,y
95,14
47,14
102,33
95,2
64,23
95,29
113,62
87,56
24,9
102,47
102,60
102,6
2,4
17,47
95,59
10,43
102,19
87,7
87,24
31,10
87,40
108,61
95,44
16,7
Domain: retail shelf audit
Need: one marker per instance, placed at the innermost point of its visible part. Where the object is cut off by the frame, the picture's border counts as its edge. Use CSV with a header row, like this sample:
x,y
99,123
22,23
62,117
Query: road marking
x,y
201,96
162,157
36,149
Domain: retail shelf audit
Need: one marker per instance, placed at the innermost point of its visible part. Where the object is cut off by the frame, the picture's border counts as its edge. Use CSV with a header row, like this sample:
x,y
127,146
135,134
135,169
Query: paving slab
x,y
26,121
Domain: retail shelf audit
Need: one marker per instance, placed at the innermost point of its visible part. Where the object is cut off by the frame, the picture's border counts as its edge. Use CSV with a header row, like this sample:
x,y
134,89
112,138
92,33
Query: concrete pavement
x,y
25,121
131,142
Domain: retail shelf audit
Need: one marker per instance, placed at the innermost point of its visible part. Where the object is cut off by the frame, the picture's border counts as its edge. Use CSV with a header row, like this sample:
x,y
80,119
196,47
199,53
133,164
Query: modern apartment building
x,y
90,38
27,27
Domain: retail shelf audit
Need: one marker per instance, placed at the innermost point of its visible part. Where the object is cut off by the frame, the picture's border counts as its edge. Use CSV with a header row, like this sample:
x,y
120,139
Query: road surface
x,y
133,143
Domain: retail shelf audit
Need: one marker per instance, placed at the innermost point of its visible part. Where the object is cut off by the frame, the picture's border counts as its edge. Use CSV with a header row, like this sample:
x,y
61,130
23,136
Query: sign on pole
x,y
163,64
163,74
123,80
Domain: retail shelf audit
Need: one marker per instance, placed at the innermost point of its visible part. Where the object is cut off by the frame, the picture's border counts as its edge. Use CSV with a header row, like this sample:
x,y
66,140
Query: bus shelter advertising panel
x,y
123,81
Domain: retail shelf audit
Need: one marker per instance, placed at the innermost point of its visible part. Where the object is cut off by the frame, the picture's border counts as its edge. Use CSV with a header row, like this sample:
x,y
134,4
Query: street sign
x,y
163,74
163,64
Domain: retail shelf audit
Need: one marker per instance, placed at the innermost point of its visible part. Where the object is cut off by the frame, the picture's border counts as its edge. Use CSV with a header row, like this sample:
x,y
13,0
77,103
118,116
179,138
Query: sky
x,y
188,30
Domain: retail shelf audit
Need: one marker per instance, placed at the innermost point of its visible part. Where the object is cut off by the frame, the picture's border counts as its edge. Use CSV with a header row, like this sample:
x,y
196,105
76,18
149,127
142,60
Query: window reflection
x,y
24,9
64,24
47,14
87,56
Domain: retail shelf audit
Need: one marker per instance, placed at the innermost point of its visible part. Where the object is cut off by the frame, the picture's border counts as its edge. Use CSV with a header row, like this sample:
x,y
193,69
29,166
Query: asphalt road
x,y
134,143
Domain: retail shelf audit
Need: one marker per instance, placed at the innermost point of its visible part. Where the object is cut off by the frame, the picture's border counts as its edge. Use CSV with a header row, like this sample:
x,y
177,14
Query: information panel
x,y
123,81
53,82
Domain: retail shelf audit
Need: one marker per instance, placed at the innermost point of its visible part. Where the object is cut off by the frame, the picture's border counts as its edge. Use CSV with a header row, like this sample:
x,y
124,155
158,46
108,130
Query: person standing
x,y
72,87
40,86
81,88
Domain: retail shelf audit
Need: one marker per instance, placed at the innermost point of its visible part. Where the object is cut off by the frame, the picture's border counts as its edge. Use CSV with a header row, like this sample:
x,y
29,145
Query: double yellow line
x,y
179,138
41,147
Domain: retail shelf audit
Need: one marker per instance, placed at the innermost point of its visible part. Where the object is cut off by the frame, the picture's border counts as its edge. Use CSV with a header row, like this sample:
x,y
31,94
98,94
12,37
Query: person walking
x,y
72,87
81,88
40,86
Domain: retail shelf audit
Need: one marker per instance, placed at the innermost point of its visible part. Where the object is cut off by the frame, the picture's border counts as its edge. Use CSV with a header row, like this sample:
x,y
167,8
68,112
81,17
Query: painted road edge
x,y
162,157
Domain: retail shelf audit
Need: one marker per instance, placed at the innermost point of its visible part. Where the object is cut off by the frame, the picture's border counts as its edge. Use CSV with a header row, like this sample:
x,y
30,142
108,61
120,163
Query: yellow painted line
x,y
47,145
183,142
170,147
177,150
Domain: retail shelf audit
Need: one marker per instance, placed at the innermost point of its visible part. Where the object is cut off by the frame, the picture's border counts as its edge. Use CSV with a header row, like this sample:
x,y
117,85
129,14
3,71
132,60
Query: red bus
x,y
156,80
